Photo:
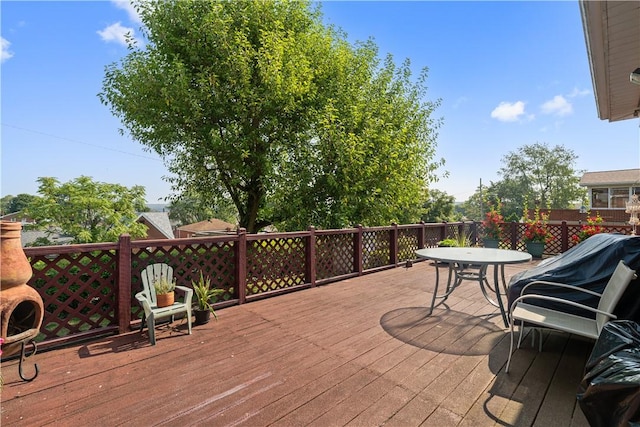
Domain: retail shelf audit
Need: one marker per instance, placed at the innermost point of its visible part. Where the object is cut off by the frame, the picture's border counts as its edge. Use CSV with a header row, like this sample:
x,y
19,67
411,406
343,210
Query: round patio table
x,y
471,264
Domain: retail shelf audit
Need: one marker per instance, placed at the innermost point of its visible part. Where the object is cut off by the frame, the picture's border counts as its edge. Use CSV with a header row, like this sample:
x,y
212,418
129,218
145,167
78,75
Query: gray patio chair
x,y
588,327
147,299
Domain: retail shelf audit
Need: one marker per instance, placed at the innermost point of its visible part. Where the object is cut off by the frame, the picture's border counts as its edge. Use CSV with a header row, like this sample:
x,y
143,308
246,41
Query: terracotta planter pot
x,y
15,268
165,300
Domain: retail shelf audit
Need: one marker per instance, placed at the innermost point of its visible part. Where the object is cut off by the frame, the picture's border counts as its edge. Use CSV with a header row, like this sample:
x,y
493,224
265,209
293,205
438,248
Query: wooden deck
x,y
360,352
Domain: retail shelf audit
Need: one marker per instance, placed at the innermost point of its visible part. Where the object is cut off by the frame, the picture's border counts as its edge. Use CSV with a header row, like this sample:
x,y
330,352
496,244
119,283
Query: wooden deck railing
x,y
88,289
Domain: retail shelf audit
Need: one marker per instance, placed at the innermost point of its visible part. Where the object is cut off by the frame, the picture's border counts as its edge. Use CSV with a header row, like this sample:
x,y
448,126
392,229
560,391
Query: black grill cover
x,y
589,265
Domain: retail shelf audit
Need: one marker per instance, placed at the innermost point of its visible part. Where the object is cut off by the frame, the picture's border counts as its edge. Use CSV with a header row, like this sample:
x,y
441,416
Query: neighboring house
x,y
158,225
611,189
205,228
17,217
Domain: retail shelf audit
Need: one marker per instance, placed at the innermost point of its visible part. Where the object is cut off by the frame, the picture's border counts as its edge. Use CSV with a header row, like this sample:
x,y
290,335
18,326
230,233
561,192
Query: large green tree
x,y
541,174
259,103
534,174
11,204
86,210
439,207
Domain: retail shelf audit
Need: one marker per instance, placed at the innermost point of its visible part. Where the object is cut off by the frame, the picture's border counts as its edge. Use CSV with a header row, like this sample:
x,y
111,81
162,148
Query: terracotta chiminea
x,y
21,307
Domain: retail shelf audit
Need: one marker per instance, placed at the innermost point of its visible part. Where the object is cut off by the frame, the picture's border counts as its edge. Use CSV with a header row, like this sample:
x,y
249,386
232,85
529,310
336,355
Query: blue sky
x,y
508,74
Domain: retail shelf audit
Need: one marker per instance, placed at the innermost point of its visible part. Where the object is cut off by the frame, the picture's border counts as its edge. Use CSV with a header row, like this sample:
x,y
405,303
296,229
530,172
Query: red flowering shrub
x,y
589,229
537,229
492,222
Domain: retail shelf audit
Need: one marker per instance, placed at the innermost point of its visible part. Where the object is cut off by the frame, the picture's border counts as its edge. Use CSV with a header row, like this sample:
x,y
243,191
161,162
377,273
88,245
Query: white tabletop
x,y
479,256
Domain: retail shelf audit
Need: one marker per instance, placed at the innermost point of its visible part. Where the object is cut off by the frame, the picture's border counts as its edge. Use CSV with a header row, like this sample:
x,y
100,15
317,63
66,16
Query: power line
x,y
80,142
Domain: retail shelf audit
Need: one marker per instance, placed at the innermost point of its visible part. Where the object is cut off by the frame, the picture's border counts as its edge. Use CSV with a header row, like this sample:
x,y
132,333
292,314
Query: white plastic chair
x,y
554,319
147,299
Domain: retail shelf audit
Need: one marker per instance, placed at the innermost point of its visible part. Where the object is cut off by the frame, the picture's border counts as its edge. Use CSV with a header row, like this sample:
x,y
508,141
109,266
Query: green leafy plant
x,y
462,239
458,240
164,286
448,243
205,293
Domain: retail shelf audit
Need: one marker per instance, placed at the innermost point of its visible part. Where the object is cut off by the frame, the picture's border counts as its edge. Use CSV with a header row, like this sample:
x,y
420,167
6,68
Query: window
x,y
599,197
612,198
619,196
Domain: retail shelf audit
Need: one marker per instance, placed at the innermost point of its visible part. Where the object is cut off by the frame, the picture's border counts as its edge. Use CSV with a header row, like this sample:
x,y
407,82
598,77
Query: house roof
x,y
208,225
626,177
28,237
160,221
612,36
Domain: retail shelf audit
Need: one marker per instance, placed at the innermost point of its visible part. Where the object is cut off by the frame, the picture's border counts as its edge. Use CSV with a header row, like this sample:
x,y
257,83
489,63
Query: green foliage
x,y
205,294
164,286
258,103
448,243
10,204
533,172
439,207
86,210
541,173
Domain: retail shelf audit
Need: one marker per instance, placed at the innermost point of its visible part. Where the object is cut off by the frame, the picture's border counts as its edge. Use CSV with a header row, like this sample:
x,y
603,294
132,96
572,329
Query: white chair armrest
x,y
144,302
559,300
188,294
560,285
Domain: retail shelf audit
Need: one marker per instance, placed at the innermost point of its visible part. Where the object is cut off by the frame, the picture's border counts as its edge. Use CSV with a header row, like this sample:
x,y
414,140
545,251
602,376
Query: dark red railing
x,y
88,290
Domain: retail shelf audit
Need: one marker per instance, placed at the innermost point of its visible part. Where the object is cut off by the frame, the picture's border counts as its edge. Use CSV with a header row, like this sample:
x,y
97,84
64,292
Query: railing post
x,y
393,245
514,235
444,231
564,233
474,233
357,250
421,235
124,283
241,266
311,256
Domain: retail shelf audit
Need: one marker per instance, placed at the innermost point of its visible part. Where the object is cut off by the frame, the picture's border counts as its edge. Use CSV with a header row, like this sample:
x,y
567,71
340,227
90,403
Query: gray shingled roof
x,y
626,177
160,220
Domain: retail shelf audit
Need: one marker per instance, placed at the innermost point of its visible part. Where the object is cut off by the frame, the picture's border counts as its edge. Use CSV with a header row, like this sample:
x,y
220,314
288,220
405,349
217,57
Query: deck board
x,y
359,352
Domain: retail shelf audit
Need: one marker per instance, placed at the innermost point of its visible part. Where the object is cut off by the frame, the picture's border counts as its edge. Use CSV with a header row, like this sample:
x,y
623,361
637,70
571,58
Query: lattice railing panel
x,y
214,259
376,249
334,255
275,263
432,236
407,243
78,292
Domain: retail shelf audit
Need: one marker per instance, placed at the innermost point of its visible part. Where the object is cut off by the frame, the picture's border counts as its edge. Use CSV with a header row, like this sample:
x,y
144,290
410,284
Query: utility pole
x,y
481,201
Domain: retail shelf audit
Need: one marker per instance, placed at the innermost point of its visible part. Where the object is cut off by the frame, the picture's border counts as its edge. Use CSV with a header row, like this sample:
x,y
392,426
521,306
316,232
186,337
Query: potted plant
x,y
592,227
492,229
204,296
536,233
446,243
164,291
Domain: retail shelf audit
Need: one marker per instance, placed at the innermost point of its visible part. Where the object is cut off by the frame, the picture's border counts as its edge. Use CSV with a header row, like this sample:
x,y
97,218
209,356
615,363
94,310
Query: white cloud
x,y
128,7
508,112
460,101
6,53
578,92
116,33
558,106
